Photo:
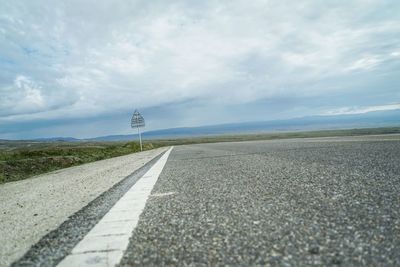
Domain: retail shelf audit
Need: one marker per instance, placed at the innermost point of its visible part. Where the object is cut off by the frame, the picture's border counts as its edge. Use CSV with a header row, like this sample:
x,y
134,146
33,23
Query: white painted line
x,y
94,259
106,243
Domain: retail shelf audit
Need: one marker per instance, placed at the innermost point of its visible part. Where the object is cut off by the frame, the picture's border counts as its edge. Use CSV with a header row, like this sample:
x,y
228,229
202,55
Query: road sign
x,y
137,121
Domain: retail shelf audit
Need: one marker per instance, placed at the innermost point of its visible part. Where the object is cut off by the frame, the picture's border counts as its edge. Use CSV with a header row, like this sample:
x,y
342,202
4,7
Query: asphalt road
x,y
310,202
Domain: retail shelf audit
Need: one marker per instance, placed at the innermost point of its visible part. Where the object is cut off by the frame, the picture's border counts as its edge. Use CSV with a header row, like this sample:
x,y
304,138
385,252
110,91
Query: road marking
x,y
106,243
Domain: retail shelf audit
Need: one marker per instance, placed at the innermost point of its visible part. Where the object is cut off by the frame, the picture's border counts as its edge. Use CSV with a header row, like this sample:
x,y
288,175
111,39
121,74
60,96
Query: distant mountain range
x,y
65,139
365,120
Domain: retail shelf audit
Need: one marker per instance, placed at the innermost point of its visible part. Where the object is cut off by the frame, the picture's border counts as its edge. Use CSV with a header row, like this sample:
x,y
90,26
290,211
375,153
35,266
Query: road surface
x,y
298,202
32,208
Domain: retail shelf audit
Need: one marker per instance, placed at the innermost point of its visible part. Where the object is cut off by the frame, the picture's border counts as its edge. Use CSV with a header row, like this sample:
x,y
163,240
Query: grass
x,y
20,160
23,159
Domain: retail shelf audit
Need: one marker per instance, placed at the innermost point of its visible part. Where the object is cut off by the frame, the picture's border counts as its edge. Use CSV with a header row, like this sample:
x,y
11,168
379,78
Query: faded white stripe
x,y
106,243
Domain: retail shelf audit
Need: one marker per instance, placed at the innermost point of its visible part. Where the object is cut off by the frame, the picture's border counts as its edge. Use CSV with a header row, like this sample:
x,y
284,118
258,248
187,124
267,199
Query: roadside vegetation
x,y
23,159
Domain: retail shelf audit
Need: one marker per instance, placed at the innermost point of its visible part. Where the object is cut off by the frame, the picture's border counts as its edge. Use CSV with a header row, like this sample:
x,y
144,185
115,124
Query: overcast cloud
x,y
80,68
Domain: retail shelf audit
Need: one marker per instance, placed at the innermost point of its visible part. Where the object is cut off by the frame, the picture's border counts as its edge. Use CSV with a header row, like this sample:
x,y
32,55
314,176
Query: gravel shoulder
x,y
32,208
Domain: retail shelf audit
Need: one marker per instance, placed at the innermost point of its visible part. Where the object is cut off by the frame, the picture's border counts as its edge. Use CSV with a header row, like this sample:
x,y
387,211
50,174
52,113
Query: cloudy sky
x,y
80,67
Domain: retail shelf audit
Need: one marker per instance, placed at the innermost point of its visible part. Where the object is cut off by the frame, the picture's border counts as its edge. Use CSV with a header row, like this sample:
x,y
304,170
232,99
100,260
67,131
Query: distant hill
x,y
115,138
365,120
58,139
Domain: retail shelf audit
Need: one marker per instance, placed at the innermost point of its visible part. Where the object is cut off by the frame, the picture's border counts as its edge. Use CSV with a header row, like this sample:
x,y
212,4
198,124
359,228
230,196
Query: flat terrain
x,y
32,208
294,202
298,202
23,159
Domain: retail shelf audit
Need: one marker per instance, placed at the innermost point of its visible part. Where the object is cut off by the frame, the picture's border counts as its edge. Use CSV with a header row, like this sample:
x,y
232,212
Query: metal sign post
x,y
138,122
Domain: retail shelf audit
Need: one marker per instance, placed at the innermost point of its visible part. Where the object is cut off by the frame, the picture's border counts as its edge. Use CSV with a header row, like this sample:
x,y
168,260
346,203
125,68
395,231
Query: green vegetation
x,y
23,159
20,160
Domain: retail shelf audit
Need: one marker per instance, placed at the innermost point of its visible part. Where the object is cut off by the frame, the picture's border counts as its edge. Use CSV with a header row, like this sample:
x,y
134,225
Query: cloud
x,y
24,96
361,110
89,59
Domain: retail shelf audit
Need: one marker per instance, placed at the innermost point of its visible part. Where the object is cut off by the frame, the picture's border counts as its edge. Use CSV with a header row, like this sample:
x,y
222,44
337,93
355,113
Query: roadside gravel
x,y
31,208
